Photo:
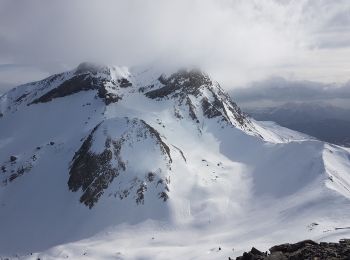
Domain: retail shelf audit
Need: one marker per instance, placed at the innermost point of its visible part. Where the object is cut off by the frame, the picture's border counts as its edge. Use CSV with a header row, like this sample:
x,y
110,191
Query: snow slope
x,y
116,163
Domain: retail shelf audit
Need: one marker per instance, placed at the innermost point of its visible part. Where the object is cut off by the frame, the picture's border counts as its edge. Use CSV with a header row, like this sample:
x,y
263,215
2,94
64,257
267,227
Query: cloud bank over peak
x,y
236,41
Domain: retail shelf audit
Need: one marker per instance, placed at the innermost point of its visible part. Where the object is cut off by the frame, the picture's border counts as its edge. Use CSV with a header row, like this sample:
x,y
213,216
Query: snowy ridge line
x,y
100,156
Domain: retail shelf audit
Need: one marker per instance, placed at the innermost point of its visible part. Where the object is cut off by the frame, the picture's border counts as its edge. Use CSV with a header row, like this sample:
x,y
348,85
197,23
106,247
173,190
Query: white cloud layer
x,y
237,41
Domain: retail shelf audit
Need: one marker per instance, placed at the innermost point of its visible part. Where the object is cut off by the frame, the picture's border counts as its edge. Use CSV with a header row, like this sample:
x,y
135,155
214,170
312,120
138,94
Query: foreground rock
x,y
306,249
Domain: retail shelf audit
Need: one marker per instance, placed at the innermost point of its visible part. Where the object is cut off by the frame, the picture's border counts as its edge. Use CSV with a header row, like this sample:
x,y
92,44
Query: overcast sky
x,y
236,41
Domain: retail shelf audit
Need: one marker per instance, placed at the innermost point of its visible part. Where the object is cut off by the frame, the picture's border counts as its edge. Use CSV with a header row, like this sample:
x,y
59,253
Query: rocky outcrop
x,y
17,166
200,96
108,97
210,110
86,77
124,83
100,160
180,84
92,172
306,249
81,82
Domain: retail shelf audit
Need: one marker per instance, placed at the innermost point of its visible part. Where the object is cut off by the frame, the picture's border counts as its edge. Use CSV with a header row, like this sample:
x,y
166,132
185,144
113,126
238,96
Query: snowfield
x,y
116,163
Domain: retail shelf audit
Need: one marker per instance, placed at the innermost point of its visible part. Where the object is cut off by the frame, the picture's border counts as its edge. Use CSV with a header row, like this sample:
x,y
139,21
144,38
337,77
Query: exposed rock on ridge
x,y
307,249
93,171
200,95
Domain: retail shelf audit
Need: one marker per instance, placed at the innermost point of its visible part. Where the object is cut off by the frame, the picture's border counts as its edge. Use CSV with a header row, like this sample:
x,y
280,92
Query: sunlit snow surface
x,y
235,189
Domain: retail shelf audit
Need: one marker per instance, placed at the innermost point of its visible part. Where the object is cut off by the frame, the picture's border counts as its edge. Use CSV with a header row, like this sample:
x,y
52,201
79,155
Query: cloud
x,y
278,91
235,40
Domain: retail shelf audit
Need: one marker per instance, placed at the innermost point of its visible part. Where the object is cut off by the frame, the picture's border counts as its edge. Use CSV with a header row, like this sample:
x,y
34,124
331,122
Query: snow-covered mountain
x,y
107,162
325,122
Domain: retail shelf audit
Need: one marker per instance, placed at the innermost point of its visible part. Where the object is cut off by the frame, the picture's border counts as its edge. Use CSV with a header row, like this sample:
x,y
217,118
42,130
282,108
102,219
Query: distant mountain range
x,y
323,121
317,109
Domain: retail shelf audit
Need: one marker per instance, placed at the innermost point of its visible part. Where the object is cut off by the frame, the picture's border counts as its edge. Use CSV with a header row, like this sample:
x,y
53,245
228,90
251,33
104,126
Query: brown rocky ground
x,y
306,249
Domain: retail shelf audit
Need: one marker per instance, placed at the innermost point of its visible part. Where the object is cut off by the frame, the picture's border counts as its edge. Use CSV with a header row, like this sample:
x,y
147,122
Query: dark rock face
x,y
20,98
221,105
214,102
93,172
209,109
191,109
86,77
124,83
307,249
155,134
180,84
108,97
81,82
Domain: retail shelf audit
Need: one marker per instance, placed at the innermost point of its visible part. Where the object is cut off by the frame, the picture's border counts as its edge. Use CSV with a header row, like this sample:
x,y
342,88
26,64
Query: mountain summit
x,y
100,151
